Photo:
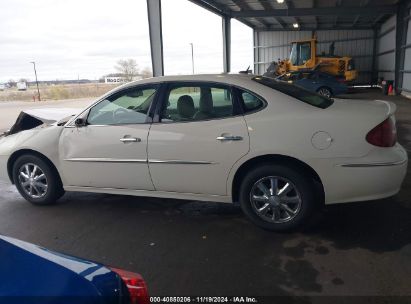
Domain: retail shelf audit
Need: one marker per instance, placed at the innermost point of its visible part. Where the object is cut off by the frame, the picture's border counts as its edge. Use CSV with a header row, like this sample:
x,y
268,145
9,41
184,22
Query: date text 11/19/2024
x,y
203,300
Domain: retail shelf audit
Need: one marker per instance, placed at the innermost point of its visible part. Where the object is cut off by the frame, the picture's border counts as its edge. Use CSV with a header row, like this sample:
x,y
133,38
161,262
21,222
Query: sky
x,y
85,38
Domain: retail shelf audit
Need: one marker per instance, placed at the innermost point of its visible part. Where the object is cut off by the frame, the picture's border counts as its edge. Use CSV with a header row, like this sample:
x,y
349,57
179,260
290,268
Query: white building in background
x,y
111,80
2,86
22,86
114,80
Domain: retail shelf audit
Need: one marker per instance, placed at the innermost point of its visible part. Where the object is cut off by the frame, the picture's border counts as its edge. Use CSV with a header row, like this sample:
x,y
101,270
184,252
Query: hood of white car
x,y
51,115
32,118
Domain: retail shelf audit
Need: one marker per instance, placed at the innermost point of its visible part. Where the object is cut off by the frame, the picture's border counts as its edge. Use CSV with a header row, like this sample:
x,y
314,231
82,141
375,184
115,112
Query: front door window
x,y
127,107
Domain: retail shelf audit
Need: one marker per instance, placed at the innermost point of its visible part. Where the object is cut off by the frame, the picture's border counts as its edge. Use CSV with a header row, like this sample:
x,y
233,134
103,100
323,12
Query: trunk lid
x,y
370,110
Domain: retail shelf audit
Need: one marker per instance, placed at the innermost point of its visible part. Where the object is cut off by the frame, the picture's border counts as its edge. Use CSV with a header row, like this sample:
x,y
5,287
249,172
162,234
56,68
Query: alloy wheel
x,y
33,180
275,199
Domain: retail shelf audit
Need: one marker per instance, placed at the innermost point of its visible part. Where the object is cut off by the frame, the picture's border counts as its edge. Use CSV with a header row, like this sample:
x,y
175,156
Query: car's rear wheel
x,y
276,197
36,180
324,91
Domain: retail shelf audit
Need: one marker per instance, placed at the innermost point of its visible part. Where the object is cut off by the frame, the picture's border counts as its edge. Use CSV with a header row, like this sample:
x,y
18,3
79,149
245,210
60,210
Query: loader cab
x,y
302,53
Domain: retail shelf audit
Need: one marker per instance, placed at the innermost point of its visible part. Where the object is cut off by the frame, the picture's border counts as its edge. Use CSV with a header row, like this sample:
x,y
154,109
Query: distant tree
x,y
146,73
128,68
23,80
11,83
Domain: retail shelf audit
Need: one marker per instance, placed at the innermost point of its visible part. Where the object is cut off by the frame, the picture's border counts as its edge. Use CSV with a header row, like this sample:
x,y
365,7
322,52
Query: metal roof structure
x,y
373,32
262,15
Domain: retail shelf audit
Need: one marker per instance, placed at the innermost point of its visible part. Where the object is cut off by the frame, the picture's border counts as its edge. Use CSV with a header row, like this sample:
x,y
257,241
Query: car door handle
x,y
130,139
229,138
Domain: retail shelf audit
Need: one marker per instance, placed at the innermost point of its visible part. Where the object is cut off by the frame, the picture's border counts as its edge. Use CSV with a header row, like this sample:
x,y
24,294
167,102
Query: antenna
x,y
248,71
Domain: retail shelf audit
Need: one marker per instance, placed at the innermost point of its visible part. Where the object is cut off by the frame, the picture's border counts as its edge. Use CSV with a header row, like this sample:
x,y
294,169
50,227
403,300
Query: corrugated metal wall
x,y
386,50
406,81
271,45
386,53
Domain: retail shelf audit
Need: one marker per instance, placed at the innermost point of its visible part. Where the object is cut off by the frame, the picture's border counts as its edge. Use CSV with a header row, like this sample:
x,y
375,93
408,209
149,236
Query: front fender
x,y
44,141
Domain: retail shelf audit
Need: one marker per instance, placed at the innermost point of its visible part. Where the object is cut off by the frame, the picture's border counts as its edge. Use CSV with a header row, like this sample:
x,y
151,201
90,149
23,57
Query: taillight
x,y
383,135
136,286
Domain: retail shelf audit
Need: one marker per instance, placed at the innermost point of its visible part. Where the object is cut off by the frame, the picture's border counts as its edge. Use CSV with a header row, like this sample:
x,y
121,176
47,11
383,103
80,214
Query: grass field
x,y
57,92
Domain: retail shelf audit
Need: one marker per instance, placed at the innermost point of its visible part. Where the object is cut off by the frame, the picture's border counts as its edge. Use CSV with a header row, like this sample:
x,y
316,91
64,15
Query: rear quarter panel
x,y
286,127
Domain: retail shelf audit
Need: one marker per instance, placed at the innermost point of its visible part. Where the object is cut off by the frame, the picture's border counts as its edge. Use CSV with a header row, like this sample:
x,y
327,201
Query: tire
x,y
299,197
324,91
44,187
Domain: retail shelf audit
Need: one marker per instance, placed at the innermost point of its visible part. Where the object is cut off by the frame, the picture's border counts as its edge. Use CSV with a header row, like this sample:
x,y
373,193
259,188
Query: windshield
x,y
296,92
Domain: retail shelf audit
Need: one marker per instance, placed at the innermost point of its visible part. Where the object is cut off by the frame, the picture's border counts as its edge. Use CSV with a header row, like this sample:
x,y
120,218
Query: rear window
x,y
296,92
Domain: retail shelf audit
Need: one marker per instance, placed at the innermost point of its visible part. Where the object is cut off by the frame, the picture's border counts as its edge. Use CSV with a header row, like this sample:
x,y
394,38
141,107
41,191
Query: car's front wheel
x,y
36,180
277,198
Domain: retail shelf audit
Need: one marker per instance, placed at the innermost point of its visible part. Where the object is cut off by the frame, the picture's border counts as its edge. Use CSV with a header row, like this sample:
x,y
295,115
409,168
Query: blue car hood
x,y
38,274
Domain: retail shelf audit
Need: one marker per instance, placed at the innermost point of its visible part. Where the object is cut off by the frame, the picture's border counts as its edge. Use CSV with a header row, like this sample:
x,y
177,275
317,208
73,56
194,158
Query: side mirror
x,y
80,122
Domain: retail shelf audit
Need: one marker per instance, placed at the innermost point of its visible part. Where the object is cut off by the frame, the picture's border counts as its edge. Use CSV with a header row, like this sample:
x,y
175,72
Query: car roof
x,y
239,79
224,78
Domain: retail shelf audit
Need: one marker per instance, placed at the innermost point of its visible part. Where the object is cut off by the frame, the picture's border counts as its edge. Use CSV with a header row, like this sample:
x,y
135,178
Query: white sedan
x,y
278,150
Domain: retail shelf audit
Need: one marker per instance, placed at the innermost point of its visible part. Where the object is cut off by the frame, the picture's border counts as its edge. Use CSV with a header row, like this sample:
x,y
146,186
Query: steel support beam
x,y
227,44
374,75
400,40
325,11
256,52
219,9
244,6
268,6
303,28
210,6
156,36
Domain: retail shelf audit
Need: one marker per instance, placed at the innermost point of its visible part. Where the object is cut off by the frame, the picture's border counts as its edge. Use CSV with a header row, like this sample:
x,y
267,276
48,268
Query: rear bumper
x,y
367,178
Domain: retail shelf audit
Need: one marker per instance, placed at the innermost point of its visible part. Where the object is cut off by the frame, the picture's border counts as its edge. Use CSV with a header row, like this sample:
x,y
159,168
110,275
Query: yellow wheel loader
x,y
304,57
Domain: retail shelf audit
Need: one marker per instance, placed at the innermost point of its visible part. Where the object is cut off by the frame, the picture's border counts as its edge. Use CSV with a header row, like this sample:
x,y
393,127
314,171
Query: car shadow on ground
x,y
378,226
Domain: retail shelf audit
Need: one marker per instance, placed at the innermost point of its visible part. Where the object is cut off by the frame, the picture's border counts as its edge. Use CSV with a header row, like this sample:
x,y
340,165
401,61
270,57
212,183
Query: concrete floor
x,y
195,248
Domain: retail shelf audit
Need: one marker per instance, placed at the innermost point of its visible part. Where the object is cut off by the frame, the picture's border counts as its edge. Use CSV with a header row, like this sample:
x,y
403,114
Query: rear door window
x,y
196,102
250,101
